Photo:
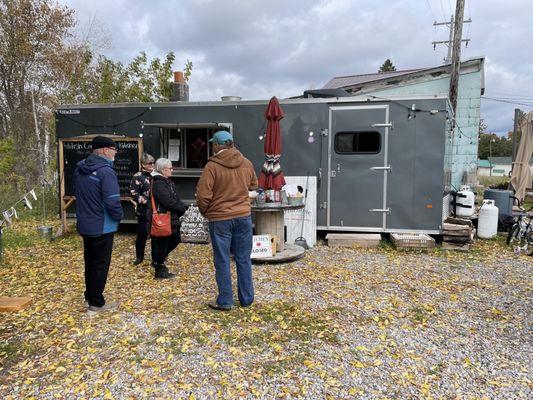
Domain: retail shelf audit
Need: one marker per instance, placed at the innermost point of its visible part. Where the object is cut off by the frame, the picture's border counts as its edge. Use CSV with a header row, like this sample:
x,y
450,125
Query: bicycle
x,y
521,233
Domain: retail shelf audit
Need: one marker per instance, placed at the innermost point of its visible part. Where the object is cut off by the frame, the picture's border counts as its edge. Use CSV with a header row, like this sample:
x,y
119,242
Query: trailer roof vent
x,y
231,98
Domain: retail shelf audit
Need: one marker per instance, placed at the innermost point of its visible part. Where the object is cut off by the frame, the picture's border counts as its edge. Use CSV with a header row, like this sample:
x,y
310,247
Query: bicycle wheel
x,y
513,233
529,248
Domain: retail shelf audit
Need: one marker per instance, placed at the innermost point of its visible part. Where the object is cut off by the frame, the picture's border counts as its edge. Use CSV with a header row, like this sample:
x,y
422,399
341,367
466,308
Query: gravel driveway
x,y
339,323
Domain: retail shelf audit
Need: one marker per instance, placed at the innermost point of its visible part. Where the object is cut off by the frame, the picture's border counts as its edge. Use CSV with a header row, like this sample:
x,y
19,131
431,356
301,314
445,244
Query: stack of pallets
x,y
457,234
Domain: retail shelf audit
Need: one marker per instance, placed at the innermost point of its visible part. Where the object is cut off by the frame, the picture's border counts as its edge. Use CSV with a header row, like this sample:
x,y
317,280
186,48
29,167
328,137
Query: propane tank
x,y
465,202
487,224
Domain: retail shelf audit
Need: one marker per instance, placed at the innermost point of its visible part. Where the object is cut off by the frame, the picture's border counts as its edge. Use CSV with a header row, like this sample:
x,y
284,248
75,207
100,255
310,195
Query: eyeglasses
x,y
150,163
112,148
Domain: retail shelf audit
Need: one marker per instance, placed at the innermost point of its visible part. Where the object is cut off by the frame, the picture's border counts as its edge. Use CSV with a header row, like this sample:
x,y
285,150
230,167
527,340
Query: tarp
x,y
272,176
521,175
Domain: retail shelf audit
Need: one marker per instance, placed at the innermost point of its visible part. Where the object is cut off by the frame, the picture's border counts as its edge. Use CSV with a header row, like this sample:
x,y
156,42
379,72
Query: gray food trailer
x,y
381,165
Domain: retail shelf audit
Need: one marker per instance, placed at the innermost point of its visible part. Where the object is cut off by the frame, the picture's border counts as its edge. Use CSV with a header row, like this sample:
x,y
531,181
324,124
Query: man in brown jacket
x,y
223,198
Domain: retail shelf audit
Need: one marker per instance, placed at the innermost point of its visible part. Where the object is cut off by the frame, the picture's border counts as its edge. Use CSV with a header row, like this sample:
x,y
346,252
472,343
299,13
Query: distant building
x,y
501,166
483,167
433,81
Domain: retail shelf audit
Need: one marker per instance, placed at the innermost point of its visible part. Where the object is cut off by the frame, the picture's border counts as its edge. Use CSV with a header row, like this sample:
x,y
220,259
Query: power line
x,y
510,96
507,101
431,10
442,8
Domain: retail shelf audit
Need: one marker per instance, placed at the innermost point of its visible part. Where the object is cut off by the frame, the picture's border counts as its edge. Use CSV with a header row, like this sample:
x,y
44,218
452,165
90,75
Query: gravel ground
x,y
339,323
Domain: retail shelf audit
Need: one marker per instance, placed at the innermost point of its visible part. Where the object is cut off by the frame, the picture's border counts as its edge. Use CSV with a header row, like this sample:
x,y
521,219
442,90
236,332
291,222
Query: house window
x,y
360,142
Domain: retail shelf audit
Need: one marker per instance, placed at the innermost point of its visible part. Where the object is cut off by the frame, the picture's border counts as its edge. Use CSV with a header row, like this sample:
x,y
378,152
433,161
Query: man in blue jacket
x,y
98,213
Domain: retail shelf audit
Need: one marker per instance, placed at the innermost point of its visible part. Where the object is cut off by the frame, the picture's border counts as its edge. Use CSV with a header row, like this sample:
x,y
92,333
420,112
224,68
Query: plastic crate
x,y
412,241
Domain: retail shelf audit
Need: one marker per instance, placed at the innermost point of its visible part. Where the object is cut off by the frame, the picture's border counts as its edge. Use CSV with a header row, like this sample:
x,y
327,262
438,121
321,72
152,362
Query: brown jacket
x,y
222,191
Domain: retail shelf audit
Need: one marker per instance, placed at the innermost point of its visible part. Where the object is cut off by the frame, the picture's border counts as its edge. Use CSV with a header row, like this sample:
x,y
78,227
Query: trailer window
x,y
360,142
188,146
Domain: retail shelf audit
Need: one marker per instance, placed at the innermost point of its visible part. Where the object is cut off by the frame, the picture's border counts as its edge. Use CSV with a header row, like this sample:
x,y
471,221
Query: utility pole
x,y
449,24
456,54
449,42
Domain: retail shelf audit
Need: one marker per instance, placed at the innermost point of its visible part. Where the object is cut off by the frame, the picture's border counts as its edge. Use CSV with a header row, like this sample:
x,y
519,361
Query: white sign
x,y
262,246
302,222
194,227
174,149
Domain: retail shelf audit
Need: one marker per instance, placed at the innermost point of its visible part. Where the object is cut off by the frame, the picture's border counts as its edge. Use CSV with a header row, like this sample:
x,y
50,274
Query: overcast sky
x,y
260,48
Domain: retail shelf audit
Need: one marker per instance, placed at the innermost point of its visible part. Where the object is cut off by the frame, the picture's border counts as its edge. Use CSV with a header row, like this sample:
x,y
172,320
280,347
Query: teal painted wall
x,y
463,157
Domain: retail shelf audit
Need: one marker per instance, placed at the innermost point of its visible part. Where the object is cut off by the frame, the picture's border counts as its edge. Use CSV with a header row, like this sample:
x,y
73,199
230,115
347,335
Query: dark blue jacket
x,y
98,208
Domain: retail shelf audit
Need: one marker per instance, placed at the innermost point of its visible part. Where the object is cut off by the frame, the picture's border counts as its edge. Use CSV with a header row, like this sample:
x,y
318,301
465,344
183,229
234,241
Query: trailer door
x,y
358,168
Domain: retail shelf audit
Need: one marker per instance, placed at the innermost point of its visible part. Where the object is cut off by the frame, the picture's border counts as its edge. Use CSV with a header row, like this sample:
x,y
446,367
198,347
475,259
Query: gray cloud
x,y
260,48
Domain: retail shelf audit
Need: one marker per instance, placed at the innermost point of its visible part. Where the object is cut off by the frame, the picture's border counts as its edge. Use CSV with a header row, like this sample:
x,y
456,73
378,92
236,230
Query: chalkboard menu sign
x,y
194,227
127,161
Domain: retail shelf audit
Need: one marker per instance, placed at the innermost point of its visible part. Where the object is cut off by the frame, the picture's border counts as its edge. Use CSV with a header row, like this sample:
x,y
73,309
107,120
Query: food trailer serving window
x,y
187,145
359,142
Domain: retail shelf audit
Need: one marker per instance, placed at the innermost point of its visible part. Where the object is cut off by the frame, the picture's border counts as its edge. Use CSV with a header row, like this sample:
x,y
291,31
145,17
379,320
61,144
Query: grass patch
x,y
421,314
493,181
273,324
11,352
14,239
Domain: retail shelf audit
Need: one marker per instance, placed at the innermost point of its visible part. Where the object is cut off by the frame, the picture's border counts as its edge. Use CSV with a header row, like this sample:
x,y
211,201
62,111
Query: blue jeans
x,y
233,235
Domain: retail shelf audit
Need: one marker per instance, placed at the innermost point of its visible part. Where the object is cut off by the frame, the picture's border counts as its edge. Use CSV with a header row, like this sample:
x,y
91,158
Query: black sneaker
x,y
164,275
215,306
137,261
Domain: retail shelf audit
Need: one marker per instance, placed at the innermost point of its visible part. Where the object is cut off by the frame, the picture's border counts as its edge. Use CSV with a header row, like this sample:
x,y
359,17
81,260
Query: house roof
x,y
498,161
368,82
349,80
501,160
483,163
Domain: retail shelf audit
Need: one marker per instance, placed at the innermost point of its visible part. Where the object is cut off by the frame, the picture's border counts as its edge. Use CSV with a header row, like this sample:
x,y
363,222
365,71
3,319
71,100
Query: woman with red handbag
x,y
163,217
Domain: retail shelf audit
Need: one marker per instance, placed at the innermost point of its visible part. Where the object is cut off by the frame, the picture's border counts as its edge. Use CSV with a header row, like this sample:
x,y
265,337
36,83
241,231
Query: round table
x,y
269,220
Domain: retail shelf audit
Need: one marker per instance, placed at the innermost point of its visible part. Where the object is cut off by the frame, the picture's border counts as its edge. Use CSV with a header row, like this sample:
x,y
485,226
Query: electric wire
x,y
105,126
509,96
450,5
507,101
431,10
442,9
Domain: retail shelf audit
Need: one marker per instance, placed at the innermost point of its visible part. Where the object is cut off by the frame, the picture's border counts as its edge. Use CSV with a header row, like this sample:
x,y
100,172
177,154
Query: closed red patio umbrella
x,y
271,176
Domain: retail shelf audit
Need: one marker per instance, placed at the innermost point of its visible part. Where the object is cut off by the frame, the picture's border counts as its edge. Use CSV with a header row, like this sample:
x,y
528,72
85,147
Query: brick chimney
x,y
180,89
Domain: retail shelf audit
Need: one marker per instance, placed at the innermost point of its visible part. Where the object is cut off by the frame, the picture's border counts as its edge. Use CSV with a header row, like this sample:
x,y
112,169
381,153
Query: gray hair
x,y
147,158
162,163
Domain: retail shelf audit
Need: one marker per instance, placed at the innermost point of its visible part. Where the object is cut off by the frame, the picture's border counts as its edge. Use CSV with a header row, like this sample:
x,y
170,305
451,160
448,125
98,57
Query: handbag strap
x,y
154,210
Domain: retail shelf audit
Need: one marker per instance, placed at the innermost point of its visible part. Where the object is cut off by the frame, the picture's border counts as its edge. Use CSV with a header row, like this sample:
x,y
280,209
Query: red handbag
x,y
161,226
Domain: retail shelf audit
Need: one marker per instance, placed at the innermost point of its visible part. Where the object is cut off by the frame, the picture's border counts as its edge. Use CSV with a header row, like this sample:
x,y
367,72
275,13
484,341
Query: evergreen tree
x,y
387,66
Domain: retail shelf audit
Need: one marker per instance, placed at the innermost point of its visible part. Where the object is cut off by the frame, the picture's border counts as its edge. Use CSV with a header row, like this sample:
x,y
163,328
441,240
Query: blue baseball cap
x,y
221,137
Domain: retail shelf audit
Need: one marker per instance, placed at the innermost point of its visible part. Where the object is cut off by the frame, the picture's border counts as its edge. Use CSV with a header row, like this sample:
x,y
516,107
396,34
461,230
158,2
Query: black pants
x,y
162,246
142,235
97,256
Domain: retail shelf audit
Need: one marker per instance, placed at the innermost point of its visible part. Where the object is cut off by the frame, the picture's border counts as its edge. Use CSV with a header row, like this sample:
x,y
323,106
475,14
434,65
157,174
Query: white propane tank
x,y
465,202
487,224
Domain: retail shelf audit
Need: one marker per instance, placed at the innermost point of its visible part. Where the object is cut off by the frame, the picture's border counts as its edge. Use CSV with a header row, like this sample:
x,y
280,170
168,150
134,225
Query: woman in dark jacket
x,y
166,199
140,192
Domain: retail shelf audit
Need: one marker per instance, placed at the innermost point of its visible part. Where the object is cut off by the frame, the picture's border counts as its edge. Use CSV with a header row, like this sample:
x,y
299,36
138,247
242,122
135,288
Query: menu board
x,y
194,227
126,164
